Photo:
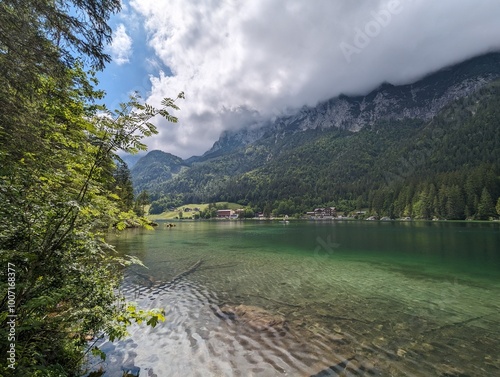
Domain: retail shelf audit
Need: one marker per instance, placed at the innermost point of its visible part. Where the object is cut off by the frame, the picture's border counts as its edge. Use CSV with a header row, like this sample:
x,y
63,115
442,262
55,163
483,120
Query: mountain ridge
x,y
355,112
156,166
346,148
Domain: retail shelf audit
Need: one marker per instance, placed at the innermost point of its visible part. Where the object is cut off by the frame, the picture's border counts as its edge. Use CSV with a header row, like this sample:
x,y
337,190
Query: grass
x,y
170,215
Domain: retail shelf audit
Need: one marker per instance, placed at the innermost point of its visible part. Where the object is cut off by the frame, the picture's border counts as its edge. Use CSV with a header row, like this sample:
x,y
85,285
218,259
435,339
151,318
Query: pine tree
x,y
268,208
442,201
424,207
142,201
485,208
455,204
122,185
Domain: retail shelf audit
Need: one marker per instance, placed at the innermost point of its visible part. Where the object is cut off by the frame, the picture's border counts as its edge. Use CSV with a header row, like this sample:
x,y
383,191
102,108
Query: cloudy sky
x,y
241,61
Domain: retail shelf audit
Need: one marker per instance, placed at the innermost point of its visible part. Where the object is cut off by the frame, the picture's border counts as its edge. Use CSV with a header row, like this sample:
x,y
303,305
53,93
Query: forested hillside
x,y
156,167
448,167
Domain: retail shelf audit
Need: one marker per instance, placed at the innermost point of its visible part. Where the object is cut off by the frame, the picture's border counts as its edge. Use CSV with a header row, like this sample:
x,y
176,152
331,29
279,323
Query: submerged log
x,y
454,324
177,277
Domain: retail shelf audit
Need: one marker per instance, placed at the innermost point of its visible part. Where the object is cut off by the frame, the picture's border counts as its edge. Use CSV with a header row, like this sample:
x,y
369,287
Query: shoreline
x,y
281,219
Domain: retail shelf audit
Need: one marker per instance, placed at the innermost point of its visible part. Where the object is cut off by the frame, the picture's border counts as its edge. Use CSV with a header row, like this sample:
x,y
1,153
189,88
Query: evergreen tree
x,y
268,208
424,206
122,186
142,201
442,202
455,204
485,208
39,40
430,201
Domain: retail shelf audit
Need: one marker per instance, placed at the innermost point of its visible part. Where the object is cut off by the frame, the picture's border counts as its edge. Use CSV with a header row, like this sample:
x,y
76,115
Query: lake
x,y
344,298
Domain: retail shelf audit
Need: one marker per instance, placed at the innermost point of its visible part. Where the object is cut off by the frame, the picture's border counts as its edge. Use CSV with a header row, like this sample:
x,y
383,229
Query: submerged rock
x,y
254,316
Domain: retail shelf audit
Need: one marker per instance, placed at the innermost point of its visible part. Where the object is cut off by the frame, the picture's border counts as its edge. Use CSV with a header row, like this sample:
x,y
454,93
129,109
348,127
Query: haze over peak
x,y
242,62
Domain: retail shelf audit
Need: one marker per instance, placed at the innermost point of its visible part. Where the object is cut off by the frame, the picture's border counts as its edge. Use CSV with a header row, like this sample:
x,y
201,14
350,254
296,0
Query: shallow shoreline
x,y
155,218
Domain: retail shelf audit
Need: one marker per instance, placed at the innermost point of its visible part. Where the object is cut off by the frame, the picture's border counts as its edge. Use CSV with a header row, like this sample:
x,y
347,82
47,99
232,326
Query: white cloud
x,y
240,60
121,46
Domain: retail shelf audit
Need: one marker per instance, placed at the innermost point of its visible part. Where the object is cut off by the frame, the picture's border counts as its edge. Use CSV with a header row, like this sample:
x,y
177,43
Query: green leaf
x,y
98,353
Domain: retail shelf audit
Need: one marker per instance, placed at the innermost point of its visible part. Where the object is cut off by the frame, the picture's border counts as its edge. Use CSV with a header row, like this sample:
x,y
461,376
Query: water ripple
x,y
341,317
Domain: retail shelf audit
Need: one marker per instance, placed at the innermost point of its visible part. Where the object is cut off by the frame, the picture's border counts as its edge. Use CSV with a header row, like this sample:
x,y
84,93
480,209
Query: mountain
x,y
131,159
383,150
154,168
420,100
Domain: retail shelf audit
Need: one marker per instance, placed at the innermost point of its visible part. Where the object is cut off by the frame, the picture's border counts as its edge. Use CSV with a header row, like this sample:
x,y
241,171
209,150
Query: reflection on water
x,y
356,299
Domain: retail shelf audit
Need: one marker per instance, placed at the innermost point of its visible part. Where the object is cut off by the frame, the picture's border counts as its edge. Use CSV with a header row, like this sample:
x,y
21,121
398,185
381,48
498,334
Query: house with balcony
x,y
327,212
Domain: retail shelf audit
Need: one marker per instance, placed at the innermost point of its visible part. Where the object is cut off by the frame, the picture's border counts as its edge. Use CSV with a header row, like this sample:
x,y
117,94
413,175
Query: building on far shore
x,y
224,213
321,213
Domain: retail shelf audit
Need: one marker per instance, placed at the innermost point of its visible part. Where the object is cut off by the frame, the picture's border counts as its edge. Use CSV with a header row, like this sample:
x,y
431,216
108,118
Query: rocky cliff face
x,y
420,100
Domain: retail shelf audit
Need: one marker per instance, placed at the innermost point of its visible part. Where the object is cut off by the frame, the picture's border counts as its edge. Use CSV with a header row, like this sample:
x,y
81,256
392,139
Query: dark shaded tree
x,y
122,186
485,208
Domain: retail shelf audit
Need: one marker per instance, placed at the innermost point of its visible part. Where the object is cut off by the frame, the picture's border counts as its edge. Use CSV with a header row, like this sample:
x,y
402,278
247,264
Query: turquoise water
x,y
353,299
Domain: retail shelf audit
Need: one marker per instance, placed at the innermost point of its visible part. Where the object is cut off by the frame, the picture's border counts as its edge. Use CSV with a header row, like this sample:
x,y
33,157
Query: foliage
x,y
141,201
40,35
485,207
62,185
60,190
122,186
42,39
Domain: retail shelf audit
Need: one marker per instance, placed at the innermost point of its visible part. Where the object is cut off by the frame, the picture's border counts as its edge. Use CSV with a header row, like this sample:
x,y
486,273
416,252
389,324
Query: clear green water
x,y
359,299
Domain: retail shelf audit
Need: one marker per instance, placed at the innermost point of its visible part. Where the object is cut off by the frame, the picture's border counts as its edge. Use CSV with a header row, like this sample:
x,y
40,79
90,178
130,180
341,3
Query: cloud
x,y
121,46
243,61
